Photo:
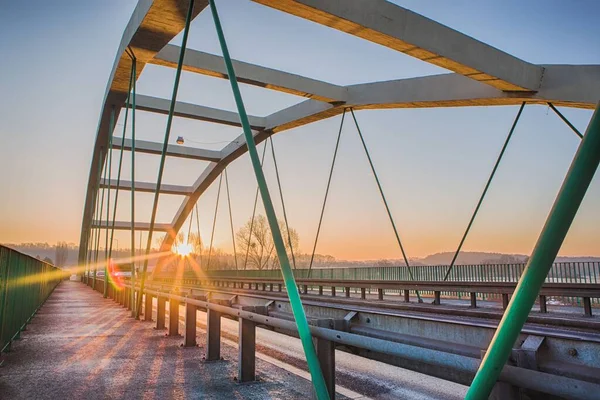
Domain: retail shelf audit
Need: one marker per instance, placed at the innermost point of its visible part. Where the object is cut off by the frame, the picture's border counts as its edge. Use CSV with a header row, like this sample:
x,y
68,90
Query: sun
x,y
183,249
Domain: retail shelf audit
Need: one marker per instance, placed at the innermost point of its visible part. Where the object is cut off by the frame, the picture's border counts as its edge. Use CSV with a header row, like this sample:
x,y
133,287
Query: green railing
x,y
25,283
561,272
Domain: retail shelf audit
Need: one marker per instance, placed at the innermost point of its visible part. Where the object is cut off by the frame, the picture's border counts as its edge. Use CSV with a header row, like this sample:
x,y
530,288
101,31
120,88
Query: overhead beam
x,y
400,29
142,146
193,111
126,226
148,187
251,74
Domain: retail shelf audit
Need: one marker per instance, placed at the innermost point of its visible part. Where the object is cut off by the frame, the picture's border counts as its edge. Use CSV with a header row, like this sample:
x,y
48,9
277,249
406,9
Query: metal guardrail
x,y
584,291
25,284
561,272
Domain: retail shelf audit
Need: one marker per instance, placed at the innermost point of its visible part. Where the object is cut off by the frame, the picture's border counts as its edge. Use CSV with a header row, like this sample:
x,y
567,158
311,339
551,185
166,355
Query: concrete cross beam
x,y
213,65
400,29
193,111
126,226
142,146
148,187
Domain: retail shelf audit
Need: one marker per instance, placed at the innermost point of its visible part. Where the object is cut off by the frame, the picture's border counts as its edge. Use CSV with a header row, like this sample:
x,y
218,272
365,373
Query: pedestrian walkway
x,y
82,346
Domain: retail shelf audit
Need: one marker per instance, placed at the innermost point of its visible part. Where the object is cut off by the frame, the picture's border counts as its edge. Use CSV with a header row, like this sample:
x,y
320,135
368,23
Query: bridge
x,y
515,331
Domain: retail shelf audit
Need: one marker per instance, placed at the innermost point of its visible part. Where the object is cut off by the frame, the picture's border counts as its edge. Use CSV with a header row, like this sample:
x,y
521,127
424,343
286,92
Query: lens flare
x,y
183,249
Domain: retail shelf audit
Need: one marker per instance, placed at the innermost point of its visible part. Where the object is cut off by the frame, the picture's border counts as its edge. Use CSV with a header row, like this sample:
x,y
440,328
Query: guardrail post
x,y
279,285
347,292
379,294
333,291
247,351
173,317
504,300
264,287
587,306
270,287
320,290
213,331
473,300
407,296
363,293
160,312
436,297
305,289
189,340
543,305
326,356
148,307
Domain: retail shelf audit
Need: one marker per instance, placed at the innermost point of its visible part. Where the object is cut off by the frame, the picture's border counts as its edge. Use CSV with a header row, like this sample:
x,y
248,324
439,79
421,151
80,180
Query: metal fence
x,y
25,283
561,272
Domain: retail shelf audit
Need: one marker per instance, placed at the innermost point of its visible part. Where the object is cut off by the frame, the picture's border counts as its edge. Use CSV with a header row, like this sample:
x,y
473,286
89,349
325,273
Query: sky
x,y
433,163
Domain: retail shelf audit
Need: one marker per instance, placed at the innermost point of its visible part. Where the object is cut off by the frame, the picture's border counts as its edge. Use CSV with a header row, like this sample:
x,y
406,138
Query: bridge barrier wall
x,y
25,284
561,272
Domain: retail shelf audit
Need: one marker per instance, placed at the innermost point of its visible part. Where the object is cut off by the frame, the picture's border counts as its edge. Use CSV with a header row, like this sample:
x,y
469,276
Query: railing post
x,y
326,356
363,293
543,304
160,312
148,307
379,294
213,331
173,317
189,340
247,351
473,300
406,296
587,306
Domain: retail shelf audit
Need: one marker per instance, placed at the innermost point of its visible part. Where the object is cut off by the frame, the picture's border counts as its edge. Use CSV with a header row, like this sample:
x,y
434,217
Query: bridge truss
x,y
481,76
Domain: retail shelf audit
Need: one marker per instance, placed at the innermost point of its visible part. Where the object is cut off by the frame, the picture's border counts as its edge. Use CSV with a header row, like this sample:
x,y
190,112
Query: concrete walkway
x,y
81,346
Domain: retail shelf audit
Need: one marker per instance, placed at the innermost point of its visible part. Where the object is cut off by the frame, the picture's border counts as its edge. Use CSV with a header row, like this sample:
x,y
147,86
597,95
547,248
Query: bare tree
x,y
61,254
260,247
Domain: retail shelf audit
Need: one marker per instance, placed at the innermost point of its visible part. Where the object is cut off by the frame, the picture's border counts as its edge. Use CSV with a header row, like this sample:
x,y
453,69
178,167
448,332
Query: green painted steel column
x,y
163,155
557,225
134,310
288,275
111,128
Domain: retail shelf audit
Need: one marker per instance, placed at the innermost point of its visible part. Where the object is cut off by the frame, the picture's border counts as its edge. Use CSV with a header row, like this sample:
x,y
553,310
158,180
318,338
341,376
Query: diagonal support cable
x,y
212,235
285,219
161,167
114,216
565,120
254,211
231,219
298,310
385,203
487,185
335,152
109,166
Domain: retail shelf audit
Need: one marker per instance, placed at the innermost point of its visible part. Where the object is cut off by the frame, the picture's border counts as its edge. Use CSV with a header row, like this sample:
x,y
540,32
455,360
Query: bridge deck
x,y
82,346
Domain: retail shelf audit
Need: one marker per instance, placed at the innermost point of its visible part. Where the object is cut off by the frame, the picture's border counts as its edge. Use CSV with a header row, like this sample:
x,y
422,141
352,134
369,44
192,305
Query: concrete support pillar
x,y
189,340
279,287
437,297
305,289
407,296
271,287
320,290
160,312
363,293
213,331
380,294
173,317
148,307
247,351
333,291
347,292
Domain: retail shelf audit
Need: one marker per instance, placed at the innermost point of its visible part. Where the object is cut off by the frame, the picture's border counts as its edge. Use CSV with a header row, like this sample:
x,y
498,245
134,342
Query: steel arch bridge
x,y
481,76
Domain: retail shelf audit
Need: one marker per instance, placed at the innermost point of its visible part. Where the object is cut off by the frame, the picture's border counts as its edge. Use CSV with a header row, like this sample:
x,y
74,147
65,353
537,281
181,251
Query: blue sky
x,y
433,163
